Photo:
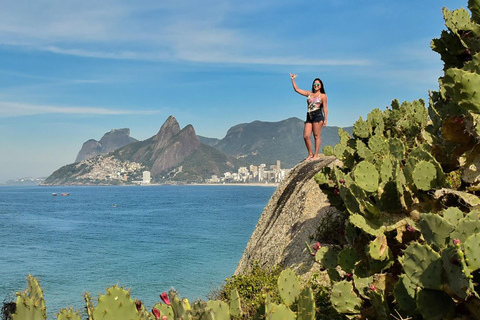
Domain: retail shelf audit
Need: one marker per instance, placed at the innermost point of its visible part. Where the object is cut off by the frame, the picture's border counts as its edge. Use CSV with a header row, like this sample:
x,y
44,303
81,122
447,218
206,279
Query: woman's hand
x,y
293,76
325,123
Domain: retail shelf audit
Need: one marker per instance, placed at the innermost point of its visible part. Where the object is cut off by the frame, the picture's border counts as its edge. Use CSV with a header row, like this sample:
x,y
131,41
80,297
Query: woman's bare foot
x,y
308,158
315,157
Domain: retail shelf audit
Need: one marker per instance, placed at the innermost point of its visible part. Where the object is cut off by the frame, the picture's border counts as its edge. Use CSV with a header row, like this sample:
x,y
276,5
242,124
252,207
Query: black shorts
x,y
315,116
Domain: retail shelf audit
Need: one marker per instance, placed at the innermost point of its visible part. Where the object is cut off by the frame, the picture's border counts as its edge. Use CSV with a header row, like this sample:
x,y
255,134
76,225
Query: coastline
x,y
254,184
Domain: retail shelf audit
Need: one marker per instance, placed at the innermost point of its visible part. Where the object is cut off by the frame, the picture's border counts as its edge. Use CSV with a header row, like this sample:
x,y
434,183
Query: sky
x,y
73,70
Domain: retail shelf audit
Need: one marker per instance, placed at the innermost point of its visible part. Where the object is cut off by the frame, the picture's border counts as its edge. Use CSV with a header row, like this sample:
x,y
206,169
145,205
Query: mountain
x,y
173,154
266,142
110,141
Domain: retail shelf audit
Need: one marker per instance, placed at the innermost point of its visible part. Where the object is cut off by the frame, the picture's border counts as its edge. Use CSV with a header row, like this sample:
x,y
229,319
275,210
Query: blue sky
x,y
72,70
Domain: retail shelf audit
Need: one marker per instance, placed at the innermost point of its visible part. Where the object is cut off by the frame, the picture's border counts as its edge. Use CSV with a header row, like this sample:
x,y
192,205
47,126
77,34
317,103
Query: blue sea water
x,y
148,239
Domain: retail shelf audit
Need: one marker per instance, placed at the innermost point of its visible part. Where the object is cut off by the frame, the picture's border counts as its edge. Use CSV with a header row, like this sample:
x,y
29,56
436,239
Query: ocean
x,y
147,238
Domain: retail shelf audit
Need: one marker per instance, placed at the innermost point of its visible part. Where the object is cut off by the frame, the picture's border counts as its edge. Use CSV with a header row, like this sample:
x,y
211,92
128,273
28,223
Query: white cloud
x,y
154,31
14,109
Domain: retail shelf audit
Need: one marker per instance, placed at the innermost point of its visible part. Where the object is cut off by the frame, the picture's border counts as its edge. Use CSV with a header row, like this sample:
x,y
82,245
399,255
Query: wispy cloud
x,y
155,31
15,109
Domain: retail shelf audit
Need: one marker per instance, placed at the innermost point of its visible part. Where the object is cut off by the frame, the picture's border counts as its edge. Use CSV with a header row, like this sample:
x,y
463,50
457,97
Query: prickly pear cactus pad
x,y
344,299
235,304
405,294
68,314
423,266
306,305
361,129
435,304
220,309
378,248
115,304
289,287
435,229
366,176
424,175
327,257
472,252
279,312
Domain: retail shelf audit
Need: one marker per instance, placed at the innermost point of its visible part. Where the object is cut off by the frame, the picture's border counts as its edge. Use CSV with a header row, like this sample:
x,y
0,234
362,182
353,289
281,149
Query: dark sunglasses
x,y
316,85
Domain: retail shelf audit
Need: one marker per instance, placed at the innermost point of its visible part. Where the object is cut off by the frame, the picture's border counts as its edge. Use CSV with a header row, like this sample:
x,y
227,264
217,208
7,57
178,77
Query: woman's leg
x,y
307,132
317,131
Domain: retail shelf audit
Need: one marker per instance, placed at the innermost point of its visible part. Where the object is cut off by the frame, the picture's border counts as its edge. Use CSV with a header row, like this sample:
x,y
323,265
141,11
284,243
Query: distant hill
x,y
179,155
266,142
173,154
29,181
110,141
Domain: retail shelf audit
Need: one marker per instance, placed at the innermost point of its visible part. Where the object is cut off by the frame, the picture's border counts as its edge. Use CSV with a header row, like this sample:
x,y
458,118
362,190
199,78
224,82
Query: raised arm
x,y
300,91
325,109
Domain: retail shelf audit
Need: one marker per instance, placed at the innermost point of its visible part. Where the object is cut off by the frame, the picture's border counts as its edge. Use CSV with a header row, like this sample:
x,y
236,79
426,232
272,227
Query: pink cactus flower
x,y
317,246
164,317
164,298
138,304
372,287
349,275
156,313
410,228
456,242
336,191
342,181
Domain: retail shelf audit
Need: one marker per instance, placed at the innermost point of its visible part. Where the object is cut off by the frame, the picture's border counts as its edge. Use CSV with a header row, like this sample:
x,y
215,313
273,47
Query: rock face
x,y
110,141
169,147
291,216
266,142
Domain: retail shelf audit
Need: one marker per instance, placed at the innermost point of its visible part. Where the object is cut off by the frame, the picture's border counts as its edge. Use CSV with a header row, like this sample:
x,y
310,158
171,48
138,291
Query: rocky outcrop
x,y
168,148
110,141
290,219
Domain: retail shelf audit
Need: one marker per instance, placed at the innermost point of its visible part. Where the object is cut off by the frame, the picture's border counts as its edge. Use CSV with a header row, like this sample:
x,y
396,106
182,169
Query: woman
x,y
316,114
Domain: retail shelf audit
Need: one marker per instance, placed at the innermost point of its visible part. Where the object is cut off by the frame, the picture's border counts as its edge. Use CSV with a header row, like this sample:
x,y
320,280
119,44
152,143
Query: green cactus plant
x,y
68,314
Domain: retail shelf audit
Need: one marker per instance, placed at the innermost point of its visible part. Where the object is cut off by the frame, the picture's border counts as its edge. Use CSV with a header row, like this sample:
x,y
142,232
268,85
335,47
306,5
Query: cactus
x,y
344,299
116,303
361,129
89,306
289,286
472,245
279,312
326,256
435,229
235,304
68,314
435,304
220,309
30,303
423,266
181,308
165,310
306,305
424,175
378,249
405,294
366,176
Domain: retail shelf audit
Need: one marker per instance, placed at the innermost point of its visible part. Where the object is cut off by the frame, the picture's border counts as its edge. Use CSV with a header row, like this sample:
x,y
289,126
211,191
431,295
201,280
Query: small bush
x,y
252,288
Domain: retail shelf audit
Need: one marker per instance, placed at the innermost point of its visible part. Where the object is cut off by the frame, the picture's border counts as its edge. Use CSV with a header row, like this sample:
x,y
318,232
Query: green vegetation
x,y
407,186
408,182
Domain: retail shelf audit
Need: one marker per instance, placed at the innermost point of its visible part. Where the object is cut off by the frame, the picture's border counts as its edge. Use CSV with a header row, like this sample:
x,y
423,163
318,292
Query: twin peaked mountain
x,y
180,155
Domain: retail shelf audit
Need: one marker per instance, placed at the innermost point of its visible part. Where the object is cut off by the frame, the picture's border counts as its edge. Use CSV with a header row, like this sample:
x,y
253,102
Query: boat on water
x,y
54,194
65,194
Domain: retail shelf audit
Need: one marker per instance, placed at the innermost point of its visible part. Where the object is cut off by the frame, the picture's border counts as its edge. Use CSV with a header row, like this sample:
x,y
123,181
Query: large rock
x,y
290,219
110,141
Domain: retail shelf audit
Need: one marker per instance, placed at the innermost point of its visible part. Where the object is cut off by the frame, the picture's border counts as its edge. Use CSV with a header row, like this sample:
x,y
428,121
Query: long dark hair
x,y
322,88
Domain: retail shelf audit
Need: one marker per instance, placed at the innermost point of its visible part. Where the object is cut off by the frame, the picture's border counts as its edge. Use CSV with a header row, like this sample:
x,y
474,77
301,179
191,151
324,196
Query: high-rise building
x,y
146,177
